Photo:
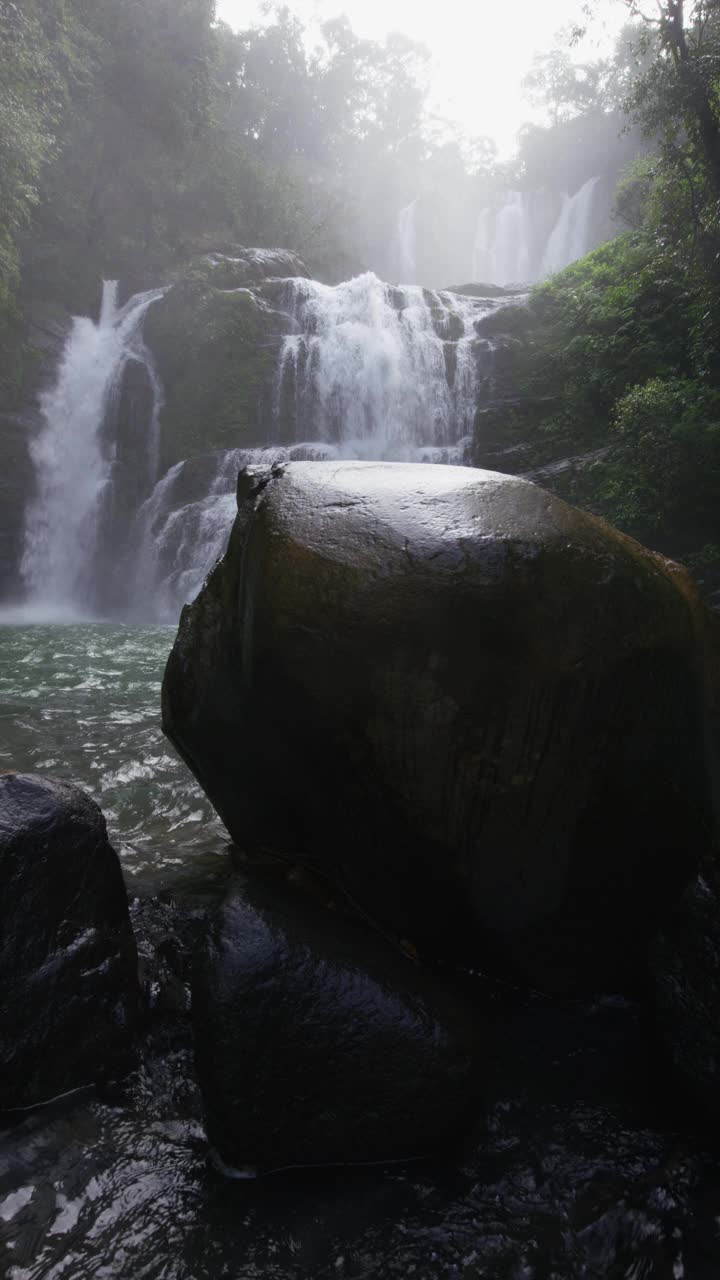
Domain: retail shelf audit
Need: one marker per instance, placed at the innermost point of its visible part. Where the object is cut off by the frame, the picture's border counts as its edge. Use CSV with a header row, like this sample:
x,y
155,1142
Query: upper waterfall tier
x,y
509,237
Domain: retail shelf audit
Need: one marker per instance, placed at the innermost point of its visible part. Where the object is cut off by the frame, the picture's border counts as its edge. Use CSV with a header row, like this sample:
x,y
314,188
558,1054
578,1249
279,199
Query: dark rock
x,y
216,353
685,968
68,965
17,481
447,324
481,711
481,290
45,327
318,1043
512,321
240,266
127,426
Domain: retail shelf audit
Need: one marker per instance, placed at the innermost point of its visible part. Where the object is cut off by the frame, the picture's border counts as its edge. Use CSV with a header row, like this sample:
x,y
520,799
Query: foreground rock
x,y
685,968
68,970
317,1043
483,713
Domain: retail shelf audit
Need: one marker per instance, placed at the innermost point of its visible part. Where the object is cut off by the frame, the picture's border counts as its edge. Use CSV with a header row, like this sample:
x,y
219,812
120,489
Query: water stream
x,y
570,237
74,462
380,373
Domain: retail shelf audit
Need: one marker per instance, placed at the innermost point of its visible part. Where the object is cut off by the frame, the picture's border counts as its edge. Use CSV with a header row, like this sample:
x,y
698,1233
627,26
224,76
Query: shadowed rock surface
x,y
68,963
318,1043
480,711
685,967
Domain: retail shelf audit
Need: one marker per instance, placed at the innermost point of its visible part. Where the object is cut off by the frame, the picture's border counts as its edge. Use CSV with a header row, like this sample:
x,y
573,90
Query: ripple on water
x,y
83,702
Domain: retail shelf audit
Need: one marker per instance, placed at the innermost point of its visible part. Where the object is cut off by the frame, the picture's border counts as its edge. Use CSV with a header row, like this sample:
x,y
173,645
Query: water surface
x,y
582,1165
82,702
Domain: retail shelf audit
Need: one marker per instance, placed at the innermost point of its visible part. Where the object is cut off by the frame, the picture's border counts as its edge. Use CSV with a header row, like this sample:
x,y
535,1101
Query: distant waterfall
x,y
501,253
570,237
376,371
405,246
73,462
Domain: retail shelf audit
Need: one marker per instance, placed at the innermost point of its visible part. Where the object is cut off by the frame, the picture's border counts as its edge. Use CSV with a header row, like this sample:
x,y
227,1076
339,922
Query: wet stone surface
x,y
573,1176
584,1166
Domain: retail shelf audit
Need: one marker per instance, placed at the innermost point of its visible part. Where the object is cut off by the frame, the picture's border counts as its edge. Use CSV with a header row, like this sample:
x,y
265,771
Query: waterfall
x,y
378,372
72,460
368,371
364,370
405,242
502,242
570,238
182,528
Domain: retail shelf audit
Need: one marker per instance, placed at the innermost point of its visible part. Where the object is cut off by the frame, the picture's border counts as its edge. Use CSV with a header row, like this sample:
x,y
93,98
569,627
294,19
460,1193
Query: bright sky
x,y
481,49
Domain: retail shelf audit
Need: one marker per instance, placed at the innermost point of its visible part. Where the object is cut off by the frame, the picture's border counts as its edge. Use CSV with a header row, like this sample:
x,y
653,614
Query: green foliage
x,y
603,324
662,477
624,350
138,132
33,79
618,359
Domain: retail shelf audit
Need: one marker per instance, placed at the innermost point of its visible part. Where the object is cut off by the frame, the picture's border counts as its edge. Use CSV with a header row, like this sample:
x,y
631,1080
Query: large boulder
x,y
317,1043
685,986
68,965
481,712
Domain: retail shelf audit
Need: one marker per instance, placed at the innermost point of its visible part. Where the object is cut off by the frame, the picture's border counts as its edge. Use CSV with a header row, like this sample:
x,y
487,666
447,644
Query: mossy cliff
x,y
215,337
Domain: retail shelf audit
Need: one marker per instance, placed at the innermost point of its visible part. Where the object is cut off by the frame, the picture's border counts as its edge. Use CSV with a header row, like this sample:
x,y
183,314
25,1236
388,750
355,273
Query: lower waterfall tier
x,y
160,403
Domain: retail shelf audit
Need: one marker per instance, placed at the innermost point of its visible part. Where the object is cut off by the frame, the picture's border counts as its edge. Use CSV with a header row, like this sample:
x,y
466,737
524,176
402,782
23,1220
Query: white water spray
x,y
73,465
501,253
379,372
570,238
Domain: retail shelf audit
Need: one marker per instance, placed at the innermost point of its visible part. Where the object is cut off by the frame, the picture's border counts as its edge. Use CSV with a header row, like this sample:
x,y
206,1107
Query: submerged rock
x,y
480,711
68,964
318,1043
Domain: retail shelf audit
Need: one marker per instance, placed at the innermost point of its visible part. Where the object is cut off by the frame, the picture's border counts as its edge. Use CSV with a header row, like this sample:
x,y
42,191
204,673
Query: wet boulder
x,y
318,1043
685,985
482,712
68,964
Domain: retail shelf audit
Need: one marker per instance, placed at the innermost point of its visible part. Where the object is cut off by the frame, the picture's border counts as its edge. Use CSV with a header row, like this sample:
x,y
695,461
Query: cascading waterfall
x,y
570,238
182,528
73,463
375,371
365,370
501,253
370,371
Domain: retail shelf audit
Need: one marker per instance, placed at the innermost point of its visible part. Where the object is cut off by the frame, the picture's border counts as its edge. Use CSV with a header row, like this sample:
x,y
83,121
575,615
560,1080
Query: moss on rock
x,y
215,339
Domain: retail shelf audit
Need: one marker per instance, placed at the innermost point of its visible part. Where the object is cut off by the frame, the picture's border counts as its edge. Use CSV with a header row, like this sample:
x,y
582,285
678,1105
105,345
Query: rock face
x,y
215,336
317,1043
45,328
481,712
68,965
16,484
